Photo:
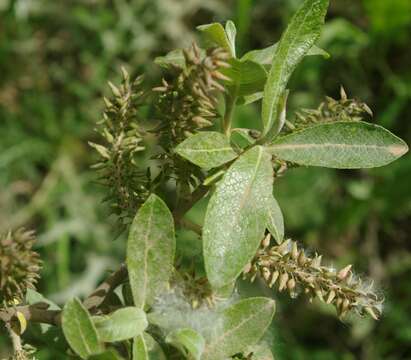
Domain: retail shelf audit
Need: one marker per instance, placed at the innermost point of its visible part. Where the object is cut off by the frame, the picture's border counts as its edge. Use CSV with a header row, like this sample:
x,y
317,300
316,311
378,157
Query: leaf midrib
x,y
146,250
392,149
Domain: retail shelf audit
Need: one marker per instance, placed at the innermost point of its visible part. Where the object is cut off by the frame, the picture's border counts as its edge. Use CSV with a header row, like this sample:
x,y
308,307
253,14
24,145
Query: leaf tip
x,y
398,150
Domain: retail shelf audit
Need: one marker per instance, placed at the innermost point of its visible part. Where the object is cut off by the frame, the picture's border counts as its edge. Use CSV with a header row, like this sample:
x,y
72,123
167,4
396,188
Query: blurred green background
x,y
55,59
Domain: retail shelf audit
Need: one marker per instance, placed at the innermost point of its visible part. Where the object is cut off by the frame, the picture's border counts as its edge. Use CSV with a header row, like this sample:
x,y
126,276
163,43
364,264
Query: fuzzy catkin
x,y
19,265
288,267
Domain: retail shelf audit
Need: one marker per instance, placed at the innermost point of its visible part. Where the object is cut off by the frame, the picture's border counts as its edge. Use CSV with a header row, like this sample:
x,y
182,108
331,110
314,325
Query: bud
x,y
247,268
283,248
265,272
371,312
330,297
283,281
266,242
294,251
114,89
316,262
343,94
342,274
301,258
291,284
274,278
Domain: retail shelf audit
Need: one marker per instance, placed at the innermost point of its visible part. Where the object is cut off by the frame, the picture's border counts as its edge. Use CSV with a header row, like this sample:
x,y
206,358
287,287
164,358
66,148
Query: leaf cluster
x,y
203,317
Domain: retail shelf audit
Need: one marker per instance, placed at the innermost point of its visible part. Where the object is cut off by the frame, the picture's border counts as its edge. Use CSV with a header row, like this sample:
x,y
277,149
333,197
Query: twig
x,y
39,314
98,296
191,226
15,339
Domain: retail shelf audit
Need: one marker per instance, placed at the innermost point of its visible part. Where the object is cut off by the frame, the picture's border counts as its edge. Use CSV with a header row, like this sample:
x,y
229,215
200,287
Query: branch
x,y
38,313
191,226
98,296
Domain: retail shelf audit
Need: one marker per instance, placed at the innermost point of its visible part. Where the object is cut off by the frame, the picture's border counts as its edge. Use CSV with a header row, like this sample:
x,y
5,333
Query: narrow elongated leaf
x,y
151,242
247,76
146,348
231,32
123,324
236,216
275,221
300,35
216,34
243,325
188,341
79,330
208,149
265,56
341,145
106,355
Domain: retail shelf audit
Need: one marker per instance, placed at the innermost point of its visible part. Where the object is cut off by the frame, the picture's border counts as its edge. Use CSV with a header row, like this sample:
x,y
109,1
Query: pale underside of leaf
x,y
244,323
275,221
151,242
123,324
79,329
207,149
188,341
236,216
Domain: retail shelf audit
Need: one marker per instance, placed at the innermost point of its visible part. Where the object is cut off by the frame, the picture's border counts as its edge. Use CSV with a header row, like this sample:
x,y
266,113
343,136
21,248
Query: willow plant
x,y
154,306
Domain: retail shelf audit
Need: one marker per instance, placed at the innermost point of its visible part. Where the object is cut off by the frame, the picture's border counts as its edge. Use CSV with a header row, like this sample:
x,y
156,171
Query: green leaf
x,y
216,34
188,341
260,352
340,145
122,324
242,137
79,329
300,35
146,348
174,57
231,32
33,297
275,221
106,355
151,242
265,56
243,325
236,216
248,77
207,149
249,99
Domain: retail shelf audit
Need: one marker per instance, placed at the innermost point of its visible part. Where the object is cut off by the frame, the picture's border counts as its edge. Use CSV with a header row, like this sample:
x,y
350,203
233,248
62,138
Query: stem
x,y
15,339
98,296
38,313
229,111
191,226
